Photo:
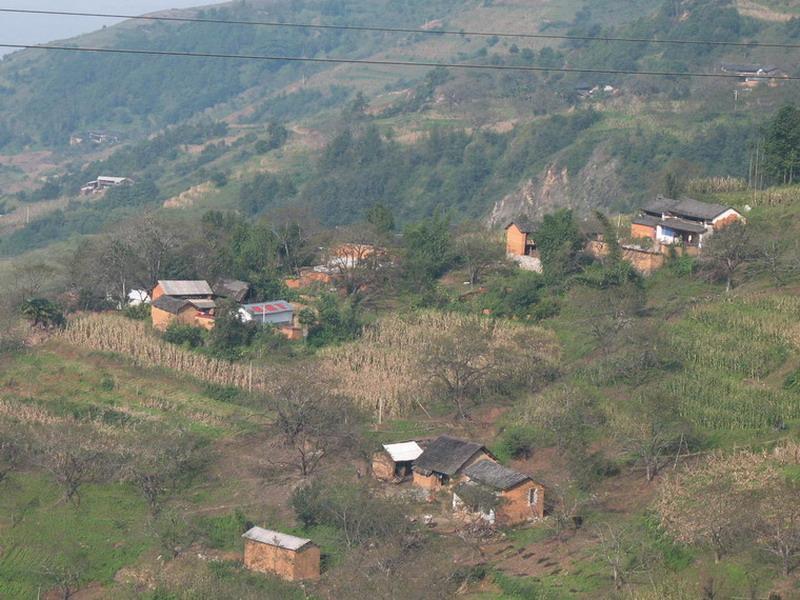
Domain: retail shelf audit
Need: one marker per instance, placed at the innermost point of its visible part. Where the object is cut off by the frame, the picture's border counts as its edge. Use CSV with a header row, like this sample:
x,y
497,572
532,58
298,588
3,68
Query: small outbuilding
x,y
444,460
520,240
289,557
233,289
498,495
168,309
395,461
187,289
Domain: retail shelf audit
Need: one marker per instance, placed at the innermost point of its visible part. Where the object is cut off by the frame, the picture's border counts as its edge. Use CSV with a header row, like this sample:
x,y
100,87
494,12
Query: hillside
x,y
360,210
512,119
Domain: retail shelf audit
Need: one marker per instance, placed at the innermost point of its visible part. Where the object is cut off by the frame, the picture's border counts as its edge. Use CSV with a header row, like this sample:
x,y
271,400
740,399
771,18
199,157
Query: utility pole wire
x,y
378,62
381,29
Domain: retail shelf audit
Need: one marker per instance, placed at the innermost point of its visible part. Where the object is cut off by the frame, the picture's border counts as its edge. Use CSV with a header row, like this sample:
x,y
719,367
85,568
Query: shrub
x,y
352,509
184,335
223,531
518,441
139,312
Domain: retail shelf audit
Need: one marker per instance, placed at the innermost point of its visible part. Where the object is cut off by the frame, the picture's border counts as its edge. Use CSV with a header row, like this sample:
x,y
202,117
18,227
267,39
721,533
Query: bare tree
x,y
156,466
479,357
312,421
153,241
358,267
726,252
651,432
31,278
623,551
479,250
67,569
718,519
294,228
566,505
610,312
13,449
74,456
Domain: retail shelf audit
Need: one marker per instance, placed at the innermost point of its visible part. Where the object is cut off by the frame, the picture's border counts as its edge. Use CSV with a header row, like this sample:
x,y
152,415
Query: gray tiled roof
x,y
232,288
683,225
169,304
494,475
691,208
446,455
185,288
646,220
525,225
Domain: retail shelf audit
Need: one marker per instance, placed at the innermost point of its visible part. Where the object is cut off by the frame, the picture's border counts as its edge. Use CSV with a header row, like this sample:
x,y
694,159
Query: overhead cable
x,y
376,62
382,29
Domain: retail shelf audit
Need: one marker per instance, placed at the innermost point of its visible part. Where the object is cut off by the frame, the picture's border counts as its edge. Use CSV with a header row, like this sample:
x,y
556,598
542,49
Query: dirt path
x,y
749,8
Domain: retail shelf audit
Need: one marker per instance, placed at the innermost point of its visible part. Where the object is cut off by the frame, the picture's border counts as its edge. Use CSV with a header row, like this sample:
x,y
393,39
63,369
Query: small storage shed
x,y
444,461
289,557
520,238
498,494
395,461
197,313
278,313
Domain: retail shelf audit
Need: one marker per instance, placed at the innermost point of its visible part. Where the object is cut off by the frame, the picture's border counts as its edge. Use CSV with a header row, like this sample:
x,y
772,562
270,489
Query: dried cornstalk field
x,y
384,371
715,185
133,339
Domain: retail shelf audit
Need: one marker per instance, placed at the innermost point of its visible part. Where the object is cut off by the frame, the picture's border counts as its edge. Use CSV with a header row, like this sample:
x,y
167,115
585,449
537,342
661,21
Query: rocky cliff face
x,y
596,185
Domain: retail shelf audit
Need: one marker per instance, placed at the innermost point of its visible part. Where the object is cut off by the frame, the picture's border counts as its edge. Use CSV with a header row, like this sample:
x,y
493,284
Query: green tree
x,y
782,144
230,334
428,252
560,244
42,313
381,218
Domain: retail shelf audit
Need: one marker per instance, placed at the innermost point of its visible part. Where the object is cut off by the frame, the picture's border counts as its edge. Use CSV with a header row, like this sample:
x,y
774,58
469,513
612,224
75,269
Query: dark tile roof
x,y
686,207
646,220
232,288
683,225
694,209
524,225
170,304
494,475
446,455
659,206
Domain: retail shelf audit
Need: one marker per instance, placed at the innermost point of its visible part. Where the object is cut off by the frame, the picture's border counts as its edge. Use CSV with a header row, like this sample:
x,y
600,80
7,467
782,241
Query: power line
x,y
545,36
377,62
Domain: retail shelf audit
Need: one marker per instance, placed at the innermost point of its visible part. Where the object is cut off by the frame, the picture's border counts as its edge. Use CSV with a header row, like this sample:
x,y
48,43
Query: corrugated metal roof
x,y
494,475
185,288
403,451
275,538
278,306
110,179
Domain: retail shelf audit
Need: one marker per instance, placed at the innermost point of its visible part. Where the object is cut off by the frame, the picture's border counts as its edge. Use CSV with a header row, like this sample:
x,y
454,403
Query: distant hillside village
x,y
662,227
